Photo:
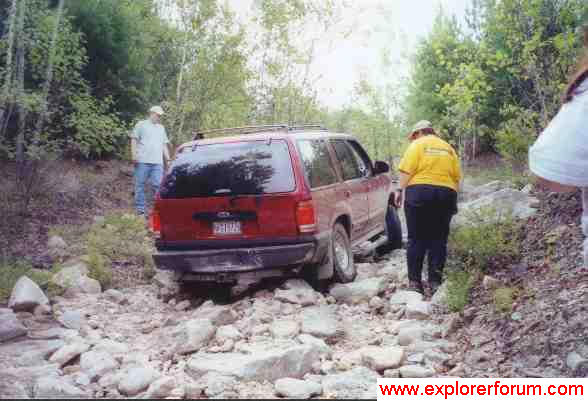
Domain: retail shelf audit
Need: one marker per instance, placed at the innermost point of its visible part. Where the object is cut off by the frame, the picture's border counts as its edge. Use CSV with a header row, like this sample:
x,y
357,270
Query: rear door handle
x,y
347,193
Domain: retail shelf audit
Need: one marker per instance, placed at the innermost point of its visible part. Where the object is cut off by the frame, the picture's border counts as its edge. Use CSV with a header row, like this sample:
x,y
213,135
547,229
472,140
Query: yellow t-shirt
x,y
432,161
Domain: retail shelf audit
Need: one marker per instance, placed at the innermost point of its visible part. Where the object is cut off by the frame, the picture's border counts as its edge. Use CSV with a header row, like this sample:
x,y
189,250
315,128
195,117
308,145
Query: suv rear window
x,y
229,169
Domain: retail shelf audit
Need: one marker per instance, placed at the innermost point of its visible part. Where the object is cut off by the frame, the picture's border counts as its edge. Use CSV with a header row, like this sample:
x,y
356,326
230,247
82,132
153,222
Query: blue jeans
x,y
146,172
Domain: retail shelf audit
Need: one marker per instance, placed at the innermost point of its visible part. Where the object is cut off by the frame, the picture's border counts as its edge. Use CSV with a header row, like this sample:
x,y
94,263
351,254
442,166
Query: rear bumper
x,y
224,265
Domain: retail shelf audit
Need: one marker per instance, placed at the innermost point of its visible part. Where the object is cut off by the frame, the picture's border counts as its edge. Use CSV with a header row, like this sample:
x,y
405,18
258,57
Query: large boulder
x,y
216,384
284,329
405,297
26,296
485,190
359,291
269,364
360,382
72,319
193,335
319,321
10,327
500,203
73,280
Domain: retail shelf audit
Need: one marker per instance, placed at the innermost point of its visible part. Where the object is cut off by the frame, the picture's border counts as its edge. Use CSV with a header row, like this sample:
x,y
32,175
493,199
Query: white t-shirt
x,y
151,139
561,152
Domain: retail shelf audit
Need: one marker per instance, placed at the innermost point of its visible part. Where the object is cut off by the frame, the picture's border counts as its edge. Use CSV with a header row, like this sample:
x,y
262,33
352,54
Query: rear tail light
x,y
305,217
155,221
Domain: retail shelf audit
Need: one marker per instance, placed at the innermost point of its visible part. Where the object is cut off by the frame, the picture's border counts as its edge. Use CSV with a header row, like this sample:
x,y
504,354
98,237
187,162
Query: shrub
x,y
504,298
488,239
121,240
459,284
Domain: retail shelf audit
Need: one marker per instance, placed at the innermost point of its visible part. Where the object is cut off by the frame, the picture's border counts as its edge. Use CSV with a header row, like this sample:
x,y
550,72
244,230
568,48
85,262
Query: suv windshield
x,y
229,169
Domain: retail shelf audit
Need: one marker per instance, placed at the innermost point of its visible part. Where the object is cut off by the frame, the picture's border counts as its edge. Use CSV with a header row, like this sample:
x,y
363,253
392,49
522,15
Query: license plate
x,y
226,228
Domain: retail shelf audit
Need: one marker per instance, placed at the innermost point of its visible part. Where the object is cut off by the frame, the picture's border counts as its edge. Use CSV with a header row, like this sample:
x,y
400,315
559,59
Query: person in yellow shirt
x,y
430,176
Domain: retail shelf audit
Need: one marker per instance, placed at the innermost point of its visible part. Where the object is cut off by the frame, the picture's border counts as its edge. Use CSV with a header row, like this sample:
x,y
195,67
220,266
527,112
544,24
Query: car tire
x,y
343,266
393,229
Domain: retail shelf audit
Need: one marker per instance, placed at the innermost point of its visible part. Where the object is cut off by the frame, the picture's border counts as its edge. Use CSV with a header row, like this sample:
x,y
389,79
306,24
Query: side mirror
x,y
381,167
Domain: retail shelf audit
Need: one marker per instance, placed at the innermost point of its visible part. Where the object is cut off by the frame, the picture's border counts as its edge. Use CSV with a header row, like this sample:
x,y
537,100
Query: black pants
x,y
428,210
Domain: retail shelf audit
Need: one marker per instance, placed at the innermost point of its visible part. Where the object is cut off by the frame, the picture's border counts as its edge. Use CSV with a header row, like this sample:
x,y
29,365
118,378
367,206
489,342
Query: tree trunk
x,y
20,54
49,75
8,79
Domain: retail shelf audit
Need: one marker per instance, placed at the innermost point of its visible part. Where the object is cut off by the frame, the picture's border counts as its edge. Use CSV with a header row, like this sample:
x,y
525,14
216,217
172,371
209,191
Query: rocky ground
x,y
163,341
160,341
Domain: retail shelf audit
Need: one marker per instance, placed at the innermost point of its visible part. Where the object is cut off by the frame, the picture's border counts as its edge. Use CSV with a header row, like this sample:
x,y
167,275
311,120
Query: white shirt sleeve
x,y
560,154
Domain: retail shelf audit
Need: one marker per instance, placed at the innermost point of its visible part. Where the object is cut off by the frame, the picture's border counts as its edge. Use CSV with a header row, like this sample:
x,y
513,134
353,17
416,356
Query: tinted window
x,y
347,159
228,169
363,161
317,163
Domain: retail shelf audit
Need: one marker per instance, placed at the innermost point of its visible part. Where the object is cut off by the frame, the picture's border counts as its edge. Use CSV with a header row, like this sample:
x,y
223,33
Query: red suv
x,y
272,201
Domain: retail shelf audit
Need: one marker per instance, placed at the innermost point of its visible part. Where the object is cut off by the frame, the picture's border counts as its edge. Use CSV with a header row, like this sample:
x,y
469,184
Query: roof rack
x,y
307,126
252,129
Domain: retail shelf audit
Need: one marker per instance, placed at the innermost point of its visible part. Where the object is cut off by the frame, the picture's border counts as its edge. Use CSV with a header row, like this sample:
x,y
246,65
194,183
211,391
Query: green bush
x,y
459,284
121,240
10,273
504,298
488,239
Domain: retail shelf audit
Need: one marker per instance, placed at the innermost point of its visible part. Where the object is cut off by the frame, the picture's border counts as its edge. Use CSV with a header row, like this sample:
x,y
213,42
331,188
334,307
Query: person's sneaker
x,y
416,286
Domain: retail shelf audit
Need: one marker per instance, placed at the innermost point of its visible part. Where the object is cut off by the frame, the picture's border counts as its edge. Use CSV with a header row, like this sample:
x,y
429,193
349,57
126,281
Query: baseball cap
x,y
156,110
421,125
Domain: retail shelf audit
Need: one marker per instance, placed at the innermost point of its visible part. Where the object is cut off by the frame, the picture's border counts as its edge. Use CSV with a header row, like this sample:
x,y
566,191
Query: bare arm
x,y
134,150
403,183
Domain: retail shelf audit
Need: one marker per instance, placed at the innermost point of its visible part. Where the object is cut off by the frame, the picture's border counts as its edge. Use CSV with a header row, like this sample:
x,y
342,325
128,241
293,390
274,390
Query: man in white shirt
x,y
559,157
149,149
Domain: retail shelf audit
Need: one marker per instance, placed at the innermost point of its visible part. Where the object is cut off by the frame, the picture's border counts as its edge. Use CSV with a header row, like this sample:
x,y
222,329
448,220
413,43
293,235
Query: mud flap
x,y
326,269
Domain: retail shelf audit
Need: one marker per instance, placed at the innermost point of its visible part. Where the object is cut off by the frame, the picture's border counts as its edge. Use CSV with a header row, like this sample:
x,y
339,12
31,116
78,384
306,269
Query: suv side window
x,y
350,167
363,160
317,163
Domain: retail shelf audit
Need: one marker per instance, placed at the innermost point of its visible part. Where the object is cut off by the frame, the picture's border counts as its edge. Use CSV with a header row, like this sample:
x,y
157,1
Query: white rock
x,y
436,356
193,335
216,384
218,315
294,388
382,358
416,371
408,335
136,380
352,384
56,387
112,347
319,321
376,303
490,283
97,363
193,390
56,242
358,291
228,332
392,373
511,201
440,296
72,319
11,327
297,296
574,360
405,297
419,310
320,346
68,352
162,387
183,305
269,364
284,329
26,295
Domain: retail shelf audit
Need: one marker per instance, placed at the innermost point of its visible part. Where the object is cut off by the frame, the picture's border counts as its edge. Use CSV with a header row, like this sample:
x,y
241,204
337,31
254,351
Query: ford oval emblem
x,y
223,215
